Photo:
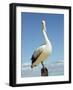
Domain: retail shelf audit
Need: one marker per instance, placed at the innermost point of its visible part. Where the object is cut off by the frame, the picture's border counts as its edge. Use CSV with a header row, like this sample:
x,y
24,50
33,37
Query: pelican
x,y
42,52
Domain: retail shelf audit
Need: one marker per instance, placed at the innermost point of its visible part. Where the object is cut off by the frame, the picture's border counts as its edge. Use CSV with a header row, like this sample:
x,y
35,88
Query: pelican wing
x,y
37,53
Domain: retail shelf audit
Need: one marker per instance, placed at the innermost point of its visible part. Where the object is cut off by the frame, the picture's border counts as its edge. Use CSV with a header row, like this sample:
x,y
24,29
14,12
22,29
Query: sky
x,y
32,36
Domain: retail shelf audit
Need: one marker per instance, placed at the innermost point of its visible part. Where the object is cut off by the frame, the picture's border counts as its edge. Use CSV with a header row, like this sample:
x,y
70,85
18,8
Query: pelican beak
x,y
43,25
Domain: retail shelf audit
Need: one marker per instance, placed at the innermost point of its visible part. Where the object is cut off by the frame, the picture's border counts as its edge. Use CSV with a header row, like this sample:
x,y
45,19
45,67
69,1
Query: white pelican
x,y
42,52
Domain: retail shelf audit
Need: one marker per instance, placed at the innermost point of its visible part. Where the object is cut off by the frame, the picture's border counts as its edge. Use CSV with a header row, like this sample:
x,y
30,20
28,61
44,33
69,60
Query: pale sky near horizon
x,y
32,37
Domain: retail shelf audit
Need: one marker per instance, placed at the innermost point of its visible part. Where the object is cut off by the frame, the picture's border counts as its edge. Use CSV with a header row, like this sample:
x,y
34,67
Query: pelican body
x,y
42,52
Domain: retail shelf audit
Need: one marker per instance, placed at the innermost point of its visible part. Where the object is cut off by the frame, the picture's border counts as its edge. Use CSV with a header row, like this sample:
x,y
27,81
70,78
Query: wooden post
x,y
44,71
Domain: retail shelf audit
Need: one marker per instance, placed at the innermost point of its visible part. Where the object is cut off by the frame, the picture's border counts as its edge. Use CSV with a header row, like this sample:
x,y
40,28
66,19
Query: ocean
x,y
54,69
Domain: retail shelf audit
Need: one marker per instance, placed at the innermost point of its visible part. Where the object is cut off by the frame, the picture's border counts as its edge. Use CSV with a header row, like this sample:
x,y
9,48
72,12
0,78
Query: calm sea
x,y
54,69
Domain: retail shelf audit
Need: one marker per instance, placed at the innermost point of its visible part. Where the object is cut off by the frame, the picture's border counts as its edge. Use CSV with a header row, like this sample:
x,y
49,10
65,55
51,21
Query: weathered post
x,y
44,71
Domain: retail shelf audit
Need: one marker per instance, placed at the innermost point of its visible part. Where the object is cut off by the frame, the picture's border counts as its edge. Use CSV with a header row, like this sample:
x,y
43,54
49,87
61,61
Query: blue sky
x,y
32,36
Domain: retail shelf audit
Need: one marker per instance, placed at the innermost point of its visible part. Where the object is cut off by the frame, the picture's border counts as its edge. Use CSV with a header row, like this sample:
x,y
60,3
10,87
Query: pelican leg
x,y
44,70
42,64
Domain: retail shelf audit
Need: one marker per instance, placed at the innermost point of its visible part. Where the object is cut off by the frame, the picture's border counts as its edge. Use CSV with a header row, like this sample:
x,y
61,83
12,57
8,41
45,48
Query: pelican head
x,y
43,25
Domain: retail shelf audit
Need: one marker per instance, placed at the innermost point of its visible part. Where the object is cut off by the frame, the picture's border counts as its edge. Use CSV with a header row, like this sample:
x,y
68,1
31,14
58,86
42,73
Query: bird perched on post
x,y
43,51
